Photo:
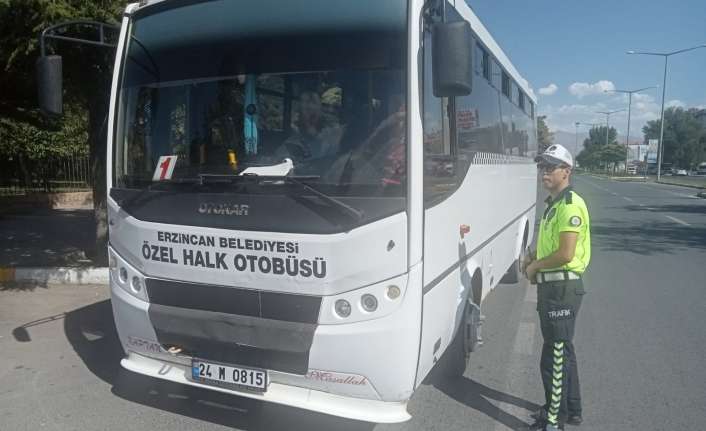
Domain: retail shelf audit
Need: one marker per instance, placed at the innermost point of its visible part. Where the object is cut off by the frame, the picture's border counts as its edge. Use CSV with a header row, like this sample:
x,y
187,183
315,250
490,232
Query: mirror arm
x,y
433,13
451,110
50,33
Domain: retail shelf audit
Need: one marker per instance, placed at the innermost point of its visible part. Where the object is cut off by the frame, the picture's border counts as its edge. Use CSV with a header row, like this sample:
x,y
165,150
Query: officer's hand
x,y
531,273
524,263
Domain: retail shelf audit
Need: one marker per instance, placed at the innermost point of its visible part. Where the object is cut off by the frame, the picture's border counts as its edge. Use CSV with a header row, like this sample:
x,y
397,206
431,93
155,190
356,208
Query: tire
x,y
512,275
454,361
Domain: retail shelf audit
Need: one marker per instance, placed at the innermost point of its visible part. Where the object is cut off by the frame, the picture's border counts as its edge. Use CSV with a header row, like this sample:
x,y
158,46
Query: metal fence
x,y
52,174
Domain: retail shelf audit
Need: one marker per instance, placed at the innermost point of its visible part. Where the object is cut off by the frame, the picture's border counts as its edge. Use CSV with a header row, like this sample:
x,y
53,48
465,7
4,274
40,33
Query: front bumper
x,y
363,371
304,398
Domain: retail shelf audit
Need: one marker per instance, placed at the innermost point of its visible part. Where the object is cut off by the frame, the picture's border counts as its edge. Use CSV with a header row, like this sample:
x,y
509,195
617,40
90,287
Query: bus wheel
x,y
454,361
513,273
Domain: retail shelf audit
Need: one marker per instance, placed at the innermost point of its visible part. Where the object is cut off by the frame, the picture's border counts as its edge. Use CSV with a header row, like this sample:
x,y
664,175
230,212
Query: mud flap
x,y
473,325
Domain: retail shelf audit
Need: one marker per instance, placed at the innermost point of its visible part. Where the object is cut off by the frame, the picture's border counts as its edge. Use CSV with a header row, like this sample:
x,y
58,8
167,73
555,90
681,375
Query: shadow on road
x,y
478,396
92,334
647,238
46,238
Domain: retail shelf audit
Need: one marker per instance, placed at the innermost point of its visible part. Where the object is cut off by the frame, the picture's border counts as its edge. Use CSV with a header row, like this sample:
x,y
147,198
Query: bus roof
x,y
466,12
484,35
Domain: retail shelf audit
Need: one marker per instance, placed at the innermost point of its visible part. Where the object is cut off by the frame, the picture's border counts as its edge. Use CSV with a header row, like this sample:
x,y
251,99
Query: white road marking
x,y
628,199
686,196
524,340
595,185
523,346
613,193
674,219
642,205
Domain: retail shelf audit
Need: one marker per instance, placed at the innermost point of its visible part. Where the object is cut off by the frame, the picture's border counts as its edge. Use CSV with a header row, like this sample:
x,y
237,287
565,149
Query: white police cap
x,y
556,154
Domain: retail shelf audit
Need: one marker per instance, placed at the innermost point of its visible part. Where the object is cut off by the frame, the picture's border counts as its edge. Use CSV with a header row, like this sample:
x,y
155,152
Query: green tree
x,y
86,70
612,154
597,152
684,137
545,138
597,137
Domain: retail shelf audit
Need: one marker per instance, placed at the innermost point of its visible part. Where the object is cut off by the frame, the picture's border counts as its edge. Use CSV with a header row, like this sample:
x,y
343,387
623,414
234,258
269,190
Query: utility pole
x,y
607,126
627,139
666,56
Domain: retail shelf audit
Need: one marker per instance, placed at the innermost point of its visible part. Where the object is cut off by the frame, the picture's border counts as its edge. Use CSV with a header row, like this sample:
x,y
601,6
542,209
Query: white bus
x,y
309,199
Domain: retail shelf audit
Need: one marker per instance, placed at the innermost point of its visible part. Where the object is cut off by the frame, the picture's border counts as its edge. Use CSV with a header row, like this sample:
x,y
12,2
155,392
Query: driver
x,y
312,137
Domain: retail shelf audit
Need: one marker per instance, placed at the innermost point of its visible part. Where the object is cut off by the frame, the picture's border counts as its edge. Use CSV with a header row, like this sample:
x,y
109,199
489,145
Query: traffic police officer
x,y
562,255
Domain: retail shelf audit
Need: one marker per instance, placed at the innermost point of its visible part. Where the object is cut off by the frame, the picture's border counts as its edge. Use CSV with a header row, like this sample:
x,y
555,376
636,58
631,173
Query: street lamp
x,y
666,56
607,126
627,139
577,124
607,120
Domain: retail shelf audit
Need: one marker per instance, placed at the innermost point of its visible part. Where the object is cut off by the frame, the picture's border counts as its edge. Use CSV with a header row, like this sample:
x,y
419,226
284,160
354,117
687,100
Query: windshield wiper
x,y
143,196
354,212
289,179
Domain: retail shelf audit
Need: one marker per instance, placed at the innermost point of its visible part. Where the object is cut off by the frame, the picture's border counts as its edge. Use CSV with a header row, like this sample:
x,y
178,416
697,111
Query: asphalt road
x,y
640,340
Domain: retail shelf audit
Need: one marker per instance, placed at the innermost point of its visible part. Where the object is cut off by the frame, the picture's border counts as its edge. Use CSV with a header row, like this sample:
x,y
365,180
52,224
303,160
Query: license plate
x,y
216,374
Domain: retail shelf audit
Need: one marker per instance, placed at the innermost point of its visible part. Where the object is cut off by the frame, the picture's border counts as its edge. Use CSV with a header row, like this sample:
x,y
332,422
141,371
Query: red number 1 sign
x,y
165,167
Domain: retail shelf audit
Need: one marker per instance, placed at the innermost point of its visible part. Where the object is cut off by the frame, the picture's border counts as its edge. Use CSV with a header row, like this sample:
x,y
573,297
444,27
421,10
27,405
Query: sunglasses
x,y
547,168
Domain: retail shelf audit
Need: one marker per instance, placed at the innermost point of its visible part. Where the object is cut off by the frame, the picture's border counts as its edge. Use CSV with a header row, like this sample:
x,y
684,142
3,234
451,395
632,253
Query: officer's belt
x,y
544,277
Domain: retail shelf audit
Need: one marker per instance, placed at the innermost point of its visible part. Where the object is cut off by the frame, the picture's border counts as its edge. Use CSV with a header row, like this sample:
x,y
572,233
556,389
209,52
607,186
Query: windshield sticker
x,y
286,262
165,168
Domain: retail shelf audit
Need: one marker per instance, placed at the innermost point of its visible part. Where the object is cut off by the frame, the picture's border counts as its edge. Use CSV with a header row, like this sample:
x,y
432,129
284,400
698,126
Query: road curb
x,y
669,183
630,179
55,275
702,195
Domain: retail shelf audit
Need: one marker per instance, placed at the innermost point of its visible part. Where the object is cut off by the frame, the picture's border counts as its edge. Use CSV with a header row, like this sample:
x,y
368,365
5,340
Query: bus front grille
x,y
245,327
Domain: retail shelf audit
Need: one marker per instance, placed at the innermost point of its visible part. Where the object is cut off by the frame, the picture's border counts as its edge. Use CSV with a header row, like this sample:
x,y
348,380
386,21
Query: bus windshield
x,y
227,86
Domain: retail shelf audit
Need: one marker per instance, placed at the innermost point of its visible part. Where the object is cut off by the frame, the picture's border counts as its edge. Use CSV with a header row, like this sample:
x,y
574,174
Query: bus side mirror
x,y
451,58
50,85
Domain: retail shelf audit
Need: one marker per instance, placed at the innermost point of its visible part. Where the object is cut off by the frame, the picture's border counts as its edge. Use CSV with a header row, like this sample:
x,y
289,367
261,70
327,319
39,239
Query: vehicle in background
x,y
701,169
666,169
680,173
632,170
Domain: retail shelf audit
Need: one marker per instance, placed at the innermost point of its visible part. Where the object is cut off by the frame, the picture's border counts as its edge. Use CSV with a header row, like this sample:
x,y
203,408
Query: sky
x,y
571,51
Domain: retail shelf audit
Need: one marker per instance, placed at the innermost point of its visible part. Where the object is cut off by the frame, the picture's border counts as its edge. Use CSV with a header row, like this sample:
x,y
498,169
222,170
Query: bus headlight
x,y
343,308
393,292
123,274
126,276
369,302
136,284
